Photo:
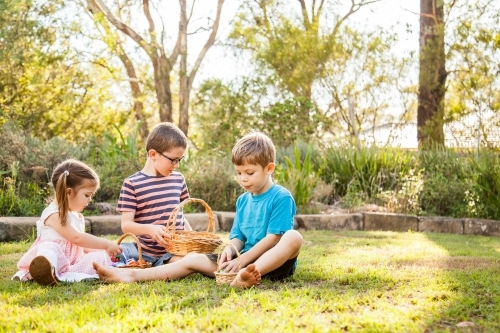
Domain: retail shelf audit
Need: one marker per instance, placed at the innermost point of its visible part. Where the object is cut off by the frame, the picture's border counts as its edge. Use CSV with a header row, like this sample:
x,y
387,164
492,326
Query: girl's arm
x,y
87,250
72,235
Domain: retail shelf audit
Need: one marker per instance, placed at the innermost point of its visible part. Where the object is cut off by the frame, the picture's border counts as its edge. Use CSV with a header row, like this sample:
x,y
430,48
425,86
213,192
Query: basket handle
x,y
237,255
170,226
139,248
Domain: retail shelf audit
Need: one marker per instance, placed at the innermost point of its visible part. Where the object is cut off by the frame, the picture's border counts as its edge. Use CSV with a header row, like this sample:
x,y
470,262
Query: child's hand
x,y
230,266
158,234
225,257
113,249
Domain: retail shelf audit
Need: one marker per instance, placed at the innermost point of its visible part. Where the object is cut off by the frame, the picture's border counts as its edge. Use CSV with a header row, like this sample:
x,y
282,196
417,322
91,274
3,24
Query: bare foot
x,y
247,277
113,274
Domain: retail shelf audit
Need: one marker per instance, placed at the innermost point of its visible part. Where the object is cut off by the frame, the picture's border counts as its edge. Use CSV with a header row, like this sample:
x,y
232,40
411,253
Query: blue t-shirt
x,y
256,216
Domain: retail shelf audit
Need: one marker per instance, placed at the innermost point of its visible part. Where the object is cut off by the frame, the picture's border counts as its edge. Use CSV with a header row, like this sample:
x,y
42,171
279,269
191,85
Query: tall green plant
x,y
298,177
484,195
366,170
447,177
115,157
12,200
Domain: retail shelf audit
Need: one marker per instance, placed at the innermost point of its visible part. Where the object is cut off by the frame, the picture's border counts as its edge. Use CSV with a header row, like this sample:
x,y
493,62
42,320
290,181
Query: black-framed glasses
x,y
173,161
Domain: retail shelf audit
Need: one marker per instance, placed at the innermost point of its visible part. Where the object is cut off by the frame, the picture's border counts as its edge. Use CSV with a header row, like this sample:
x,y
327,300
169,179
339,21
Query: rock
x,y
199,221
481,227
226,220
104,208
105,225
390,222
440,224
330,222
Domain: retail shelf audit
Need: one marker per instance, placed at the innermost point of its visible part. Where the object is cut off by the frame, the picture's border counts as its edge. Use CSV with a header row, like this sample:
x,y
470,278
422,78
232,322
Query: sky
x,y
387,14
221,62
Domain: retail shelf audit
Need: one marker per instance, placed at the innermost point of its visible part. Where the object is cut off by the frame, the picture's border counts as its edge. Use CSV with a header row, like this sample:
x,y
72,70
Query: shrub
x,y
15,203
323,193
447,175
363,173
405,198
483,197
26,164
114,159
213,180
298,177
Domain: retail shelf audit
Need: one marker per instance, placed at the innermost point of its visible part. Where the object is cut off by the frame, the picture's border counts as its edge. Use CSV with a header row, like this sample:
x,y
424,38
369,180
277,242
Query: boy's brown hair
x,y
164,137
254,148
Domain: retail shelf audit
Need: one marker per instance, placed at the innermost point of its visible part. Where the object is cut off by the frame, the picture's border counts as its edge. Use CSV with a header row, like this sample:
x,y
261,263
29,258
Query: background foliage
x,y
323,88
436,182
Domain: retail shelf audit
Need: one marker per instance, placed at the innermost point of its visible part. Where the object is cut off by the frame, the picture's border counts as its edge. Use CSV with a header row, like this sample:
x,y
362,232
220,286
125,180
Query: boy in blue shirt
x,y
262,230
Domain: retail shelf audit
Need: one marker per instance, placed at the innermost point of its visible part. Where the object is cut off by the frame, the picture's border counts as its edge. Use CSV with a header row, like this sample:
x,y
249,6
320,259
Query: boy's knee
x,y
293,237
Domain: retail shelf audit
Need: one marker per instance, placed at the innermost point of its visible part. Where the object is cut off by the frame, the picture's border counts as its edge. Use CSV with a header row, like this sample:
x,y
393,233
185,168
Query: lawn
x,y
346,282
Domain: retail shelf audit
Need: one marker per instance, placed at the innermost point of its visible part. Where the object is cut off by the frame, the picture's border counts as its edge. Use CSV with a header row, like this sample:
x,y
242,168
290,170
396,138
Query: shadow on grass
x,y
177,295
472,269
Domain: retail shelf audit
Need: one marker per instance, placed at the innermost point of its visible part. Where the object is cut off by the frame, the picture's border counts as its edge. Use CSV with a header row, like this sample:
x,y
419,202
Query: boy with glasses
x,y
148,197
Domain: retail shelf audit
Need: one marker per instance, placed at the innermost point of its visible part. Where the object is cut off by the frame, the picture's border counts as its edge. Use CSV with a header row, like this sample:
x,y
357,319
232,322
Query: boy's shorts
x,y
129,251
280,273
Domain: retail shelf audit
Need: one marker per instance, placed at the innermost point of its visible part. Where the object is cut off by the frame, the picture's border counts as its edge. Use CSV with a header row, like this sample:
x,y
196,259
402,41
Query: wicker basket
x,y
223,277
138,264
182,242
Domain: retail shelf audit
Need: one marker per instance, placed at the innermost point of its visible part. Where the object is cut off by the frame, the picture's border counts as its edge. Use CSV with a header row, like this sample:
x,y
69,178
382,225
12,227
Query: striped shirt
x,y
153,199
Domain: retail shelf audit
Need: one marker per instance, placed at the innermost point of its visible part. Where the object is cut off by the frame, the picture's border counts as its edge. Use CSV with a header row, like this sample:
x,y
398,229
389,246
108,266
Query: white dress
x,y
70,261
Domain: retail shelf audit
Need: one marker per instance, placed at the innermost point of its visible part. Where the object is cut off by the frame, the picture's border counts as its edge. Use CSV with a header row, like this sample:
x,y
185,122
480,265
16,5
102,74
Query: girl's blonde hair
x,y
70,174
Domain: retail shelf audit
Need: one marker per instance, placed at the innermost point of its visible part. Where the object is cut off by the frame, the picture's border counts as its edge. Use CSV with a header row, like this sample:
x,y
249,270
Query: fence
x,y
476,130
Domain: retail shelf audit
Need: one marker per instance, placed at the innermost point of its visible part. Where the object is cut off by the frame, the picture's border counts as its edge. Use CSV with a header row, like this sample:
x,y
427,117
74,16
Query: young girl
x,y
62,250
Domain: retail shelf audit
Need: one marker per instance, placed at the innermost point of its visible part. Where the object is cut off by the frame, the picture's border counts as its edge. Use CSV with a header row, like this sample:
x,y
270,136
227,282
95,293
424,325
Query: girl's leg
x,y
84,265
49,262
42,271
191,263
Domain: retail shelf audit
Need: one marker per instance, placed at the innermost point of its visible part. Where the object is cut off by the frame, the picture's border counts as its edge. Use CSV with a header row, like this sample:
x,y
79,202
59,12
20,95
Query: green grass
x,y
346,282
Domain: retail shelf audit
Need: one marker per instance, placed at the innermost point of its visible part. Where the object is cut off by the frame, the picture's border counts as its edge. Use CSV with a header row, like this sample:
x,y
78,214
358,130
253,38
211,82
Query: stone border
x,y
21,228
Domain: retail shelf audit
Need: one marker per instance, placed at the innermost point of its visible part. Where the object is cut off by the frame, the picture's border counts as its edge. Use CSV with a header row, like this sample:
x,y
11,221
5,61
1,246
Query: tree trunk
x,y
432,75
186,80
162,71
163,65
136,94
183,75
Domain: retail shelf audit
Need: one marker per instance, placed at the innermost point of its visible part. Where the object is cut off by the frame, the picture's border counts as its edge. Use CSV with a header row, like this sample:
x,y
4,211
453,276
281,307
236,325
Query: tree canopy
x,y
315,73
